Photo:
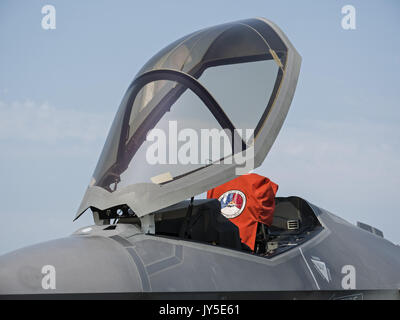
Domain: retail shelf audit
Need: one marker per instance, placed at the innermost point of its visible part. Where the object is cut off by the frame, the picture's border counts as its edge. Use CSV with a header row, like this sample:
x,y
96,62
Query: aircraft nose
x,y
18,276
69,265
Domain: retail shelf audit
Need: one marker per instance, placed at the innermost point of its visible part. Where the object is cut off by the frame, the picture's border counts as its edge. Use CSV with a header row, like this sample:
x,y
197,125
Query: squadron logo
x,y
233,203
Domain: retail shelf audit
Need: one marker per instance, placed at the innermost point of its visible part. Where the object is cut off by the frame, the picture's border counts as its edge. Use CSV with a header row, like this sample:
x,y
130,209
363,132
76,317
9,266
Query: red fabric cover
x,y
257,205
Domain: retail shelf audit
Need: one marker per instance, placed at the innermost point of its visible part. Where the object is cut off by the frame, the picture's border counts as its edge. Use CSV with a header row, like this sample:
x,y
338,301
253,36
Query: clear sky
x,y
59,90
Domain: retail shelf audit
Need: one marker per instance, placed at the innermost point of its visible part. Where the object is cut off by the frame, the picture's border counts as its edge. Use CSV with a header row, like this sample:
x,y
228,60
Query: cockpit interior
x,y
294,222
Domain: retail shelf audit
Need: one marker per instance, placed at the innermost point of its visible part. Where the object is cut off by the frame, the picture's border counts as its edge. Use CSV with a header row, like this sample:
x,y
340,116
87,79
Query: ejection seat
x,y
205,223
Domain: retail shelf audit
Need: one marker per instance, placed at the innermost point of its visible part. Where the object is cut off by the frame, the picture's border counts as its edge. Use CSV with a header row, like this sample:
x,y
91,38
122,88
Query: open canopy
x,y
201,111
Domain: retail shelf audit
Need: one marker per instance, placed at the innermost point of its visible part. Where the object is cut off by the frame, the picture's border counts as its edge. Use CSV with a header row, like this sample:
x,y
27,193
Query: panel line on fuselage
x,y
308,266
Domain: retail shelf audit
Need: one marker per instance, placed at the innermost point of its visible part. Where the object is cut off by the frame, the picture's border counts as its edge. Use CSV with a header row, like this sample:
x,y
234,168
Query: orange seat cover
x,y
245,201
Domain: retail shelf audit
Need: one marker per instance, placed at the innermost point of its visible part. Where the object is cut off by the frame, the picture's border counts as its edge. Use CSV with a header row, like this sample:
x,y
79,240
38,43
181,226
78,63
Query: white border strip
x,y
316,283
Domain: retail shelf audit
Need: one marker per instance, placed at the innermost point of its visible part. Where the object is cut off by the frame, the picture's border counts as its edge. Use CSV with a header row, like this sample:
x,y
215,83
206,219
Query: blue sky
x,y
59,90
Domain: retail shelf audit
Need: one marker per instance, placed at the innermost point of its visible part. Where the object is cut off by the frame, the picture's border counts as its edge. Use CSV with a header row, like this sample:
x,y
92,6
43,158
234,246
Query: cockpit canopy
x,y
204,109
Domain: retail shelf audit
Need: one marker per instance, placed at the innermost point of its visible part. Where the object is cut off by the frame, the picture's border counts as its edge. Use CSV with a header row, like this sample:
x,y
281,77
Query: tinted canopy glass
x,y
189,111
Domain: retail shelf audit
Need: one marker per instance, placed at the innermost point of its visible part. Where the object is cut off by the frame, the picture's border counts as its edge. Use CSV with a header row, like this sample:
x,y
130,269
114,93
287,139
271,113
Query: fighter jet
x,y
154,234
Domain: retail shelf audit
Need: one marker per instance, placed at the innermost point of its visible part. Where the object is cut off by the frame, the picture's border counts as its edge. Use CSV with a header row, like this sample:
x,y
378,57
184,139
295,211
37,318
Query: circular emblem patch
x,y
233,203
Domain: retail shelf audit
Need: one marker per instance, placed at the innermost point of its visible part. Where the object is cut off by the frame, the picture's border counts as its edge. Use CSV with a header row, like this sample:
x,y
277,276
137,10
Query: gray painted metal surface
x,y
125,260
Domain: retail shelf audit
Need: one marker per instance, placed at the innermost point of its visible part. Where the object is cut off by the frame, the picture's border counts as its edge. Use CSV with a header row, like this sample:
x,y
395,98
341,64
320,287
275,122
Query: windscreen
x,y
194,104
